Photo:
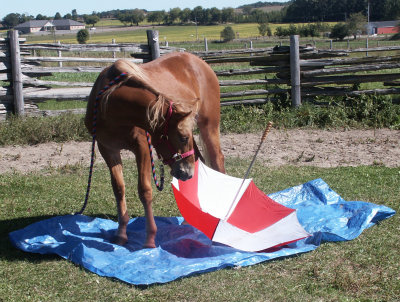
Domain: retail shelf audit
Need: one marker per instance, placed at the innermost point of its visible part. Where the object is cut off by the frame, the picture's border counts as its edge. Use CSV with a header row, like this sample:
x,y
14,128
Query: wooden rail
x,y
269,71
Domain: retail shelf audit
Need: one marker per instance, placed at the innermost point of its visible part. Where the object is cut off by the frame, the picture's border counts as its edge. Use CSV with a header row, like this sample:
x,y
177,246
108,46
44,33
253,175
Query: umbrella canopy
x,y
249,220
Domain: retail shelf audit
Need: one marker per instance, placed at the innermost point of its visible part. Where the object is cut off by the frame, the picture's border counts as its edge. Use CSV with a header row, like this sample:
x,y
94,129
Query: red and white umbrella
x,y
247,220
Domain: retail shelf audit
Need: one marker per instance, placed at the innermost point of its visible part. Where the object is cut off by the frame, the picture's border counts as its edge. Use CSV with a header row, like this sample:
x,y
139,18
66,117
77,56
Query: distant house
x,y
67,24
34,26
383,27
45,25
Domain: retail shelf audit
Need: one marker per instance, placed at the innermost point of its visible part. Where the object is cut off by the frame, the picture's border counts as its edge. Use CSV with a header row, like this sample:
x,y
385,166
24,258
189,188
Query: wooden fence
x,y
299,71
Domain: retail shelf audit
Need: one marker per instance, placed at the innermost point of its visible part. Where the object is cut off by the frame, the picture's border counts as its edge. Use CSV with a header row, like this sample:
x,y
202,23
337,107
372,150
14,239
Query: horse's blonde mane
x,y
132,70
155,110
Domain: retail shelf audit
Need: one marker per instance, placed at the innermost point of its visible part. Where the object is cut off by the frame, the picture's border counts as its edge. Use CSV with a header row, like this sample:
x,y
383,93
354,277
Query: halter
x,y
164,138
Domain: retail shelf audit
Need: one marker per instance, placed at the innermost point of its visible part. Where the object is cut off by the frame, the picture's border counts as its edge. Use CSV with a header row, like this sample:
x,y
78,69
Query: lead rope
x,y
94,125
159,186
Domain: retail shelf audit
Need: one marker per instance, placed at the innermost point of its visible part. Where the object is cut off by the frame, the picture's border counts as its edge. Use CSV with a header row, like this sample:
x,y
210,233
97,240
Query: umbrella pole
x,y
264,136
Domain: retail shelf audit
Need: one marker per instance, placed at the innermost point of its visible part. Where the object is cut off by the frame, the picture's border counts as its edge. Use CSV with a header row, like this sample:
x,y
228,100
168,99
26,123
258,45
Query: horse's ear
x,y
180,115
182,110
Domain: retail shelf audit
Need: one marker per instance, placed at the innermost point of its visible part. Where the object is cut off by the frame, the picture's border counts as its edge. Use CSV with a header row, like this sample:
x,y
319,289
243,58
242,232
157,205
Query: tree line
x,y
340,10
292,12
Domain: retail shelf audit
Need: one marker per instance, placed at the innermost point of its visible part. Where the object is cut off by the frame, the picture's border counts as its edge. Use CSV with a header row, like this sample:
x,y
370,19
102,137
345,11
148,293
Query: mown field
x,y
365,269
106,30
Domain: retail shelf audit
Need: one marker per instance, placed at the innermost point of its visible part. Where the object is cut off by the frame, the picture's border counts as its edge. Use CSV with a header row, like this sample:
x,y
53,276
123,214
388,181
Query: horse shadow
x,y
180,240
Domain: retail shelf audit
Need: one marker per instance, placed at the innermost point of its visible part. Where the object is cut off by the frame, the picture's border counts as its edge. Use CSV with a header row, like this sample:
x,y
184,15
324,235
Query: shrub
x,y
82,36
227,34
339,31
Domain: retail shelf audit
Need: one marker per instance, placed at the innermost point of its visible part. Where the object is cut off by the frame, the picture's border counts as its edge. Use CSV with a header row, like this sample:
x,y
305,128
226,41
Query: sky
x,y
51,7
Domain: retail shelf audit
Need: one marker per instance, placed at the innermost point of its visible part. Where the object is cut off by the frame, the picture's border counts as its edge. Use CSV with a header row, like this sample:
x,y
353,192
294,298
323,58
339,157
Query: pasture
x,y
365,269
105,32
192,37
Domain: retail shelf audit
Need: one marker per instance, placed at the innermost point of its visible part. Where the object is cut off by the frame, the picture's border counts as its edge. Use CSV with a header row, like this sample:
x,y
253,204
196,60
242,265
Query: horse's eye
x,y
185,139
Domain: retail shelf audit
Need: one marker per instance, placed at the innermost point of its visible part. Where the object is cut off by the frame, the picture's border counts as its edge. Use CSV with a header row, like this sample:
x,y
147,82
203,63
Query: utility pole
x,y
367,28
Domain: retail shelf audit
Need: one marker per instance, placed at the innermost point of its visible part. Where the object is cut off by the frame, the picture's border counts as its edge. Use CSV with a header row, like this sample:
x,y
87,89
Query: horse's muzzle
x,y
182,171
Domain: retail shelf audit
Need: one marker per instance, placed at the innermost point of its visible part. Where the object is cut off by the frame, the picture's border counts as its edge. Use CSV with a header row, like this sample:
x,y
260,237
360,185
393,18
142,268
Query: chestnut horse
x,y
165,97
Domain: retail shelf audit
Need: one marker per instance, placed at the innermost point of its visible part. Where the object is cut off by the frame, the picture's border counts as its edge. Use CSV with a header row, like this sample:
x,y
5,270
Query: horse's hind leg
x,y
209,131
114,163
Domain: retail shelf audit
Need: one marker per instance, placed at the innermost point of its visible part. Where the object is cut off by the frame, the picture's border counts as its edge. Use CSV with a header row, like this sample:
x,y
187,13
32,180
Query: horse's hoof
x,y
149,246
120,240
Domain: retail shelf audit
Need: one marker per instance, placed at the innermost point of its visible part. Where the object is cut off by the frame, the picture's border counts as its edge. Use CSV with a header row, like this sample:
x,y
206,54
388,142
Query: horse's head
x,y
174,142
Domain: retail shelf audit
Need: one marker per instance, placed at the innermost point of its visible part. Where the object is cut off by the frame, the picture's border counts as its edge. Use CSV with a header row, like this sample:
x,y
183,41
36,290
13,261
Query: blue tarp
x,y
181,249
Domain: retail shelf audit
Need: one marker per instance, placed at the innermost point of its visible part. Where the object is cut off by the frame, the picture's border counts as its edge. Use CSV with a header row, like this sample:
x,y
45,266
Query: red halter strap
x,y
164,138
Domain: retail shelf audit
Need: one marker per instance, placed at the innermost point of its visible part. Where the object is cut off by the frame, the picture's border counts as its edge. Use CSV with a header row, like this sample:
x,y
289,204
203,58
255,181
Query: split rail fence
x,y
301,72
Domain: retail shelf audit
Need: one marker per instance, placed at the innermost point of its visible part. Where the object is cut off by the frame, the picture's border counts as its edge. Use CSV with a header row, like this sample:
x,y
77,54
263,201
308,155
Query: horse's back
x,y
184,76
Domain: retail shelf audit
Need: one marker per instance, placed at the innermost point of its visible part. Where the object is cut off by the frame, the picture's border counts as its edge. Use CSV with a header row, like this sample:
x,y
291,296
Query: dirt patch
x,y
283,147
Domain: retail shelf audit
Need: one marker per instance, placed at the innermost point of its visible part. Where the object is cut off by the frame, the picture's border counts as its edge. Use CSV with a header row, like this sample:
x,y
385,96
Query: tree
x,y
215,15
339,31
293,30
227,34
41,17
259,16
262,29
82,36
227,15
57,16
392,9
156,17
184,16
67,16
281,32
11,20
91,19
196,14
74,15
23,18
173,15
131,17
356,24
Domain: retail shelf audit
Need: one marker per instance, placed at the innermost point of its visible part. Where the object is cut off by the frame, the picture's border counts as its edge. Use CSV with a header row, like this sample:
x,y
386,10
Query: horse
x,y
166,98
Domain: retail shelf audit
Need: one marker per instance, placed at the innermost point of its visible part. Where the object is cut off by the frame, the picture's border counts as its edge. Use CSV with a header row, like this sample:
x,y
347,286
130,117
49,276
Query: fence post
x,y
15,54
60,64
114,53
295,70
205,44
152,40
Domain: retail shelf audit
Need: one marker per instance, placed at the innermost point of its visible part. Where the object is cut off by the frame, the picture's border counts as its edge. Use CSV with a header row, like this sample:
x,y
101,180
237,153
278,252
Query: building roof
x,y
42,23
381,24
66,22
34,23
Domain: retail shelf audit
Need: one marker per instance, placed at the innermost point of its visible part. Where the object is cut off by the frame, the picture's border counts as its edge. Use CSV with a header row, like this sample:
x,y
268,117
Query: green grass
x,y
174,33
362,112
365,269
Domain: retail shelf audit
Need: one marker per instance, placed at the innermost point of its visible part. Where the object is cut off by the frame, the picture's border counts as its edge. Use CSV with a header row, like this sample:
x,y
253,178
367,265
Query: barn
x,y
67,24
45,25
384,27
34,26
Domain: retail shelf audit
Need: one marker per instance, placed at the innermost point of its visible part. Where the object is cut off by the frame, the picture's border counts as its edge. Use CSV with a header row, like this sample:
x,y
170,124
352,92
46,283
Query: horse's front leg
x,y
145,191
114,163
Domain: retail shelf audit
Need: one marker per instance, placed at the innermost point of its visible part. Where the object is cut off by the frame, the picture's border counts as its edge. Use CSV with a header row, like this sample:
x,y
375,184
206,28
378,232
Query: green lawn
x,y
365,269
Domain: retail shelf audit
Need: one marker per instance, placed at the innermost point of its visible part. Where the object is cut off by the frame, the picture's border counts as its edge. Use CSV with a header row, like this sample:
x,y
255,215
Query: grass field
x,y
175,33
365,269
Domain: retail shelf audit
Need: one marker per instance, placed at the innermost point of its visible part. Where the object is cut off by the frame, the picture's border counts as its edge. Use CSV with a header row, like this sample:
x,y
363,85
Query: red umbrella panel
x,y
248,220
